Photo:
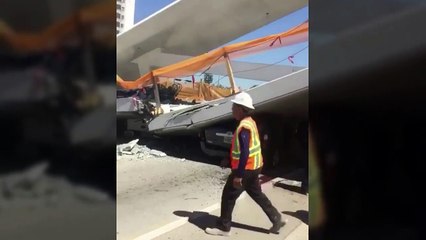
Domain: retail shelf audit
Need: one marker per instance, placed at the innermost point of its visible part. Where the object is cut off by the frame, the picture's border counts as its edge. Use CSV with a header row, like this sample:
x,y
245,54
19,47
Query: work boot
x,y
217,232
277,225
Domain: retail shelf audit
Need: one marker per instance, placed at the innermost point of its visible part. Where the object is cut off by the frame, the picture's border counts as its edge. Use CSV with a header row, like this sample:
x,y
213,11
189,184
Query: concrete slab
x,y
249,221
173,31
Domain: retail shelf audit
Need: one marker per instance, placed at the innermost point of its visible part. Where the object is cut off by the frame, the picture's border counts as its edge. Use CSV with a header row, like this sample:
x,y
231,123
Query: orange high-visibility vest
x,y
254,160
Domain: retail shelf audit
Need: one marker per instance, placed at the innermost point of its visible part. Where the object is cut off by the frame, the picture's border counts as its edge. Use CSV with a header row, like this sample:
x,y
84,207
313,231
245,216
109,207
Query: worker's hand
x,y
237,182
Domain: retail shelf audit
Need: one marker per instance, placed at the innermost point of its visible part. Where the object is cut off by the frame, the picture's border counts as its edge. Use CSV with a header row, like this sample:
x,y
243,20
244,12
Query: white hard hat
x,y
243,99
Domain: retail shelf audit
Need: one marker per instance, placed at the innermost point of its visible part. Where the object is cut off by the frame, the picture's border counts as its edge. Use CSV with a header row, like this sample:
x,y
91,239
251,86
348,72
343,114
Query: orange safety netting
x,y
196,64
55,34
198,92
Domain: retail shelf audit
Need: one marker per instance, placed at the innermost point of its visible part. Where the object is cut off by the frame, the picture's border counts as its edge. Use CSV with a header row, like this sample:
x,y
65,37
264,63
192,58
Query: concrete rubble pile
x,y
290,182
132,149
35,188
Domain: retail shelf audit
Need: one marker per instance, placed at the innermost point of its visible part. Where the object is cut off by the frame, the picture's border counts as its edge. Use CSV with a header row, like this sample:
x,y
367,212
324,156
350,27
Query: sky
x,y
144,8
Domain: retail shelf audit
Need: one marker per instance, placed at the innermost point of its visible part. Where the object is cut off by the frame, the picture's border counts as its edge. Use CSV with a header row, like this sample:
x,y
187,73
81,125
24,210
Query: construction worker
x,y
246,164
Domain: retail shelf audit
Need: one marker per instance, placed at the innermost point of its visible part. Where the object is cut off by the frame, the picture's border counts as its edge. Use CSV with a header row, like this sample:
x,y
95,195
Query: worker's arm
x,y
244,140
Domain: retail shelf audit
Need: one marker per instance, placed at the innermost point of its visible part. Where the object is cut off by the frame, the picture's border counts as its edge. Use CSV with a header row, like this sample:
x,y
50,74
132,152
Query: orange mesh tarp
x,y
55,34
202,92
199,92
199,63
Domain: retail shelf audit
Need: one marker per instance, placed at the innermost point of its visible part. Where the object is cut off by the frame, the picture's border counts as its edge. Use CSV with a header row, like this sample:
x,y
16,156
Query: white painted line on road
x,y
159,231
211,208
173,225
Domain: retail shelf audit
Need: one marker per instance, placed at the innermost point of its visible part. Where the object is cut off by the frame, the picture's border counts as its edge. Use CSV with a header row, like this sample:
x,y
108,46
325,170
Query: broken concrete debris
x,y
288,182
127,152
34,187
88,195
131,144
157,153
135,150
140,151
